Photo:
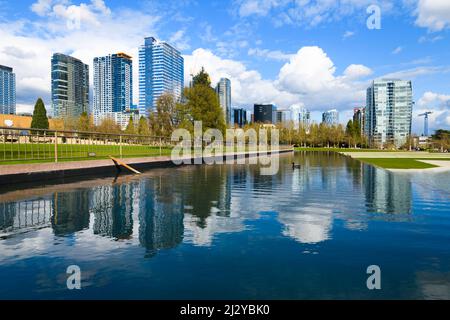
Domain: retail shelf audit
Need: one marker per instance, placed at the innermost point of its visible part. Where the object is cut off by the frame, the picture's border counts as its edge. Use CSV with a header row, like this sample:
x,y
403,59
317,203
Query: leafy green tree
x,y
40,119
85,123
203,103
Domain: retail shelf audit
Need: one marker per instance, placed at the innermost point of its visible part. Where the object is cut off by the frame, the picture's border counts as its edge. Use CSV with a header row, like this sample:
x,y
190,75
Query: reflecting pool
x,y
228,232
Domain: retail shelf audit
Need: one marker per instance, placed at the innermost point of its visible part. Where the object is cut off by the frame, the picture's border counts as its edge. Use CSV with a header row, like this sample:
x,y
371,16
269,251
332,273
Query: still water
x,y
227,232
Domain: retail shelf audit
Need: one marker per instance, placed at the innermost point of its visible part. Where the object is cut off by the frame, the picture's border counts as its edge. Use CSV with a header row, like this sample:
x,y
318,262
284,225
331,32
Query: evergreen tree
x,y
130,127
143,128
202,78
40,120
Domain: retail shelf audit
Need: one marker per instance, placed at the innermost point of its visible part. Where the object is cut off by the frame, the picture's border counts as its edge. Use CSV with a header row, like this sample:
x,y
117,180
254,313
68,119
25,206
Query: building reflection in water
x,y
160,216
70,212
198,203
386,192
112,207
25,215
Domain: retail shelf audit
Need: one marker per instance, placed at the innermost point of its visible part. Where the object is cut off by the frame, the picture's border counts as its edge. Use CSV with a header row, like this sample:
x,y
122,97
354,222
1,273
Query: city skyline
x,y
241,48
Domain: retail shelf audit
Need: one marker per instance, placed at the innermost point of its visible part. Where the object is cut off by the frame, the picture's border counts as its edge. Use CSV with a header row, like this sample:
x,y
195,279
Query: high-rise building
x,y
161,70
113,85
70,86
7,90
388,112
304,118
265,113
240,117
223,90
359,117
330,117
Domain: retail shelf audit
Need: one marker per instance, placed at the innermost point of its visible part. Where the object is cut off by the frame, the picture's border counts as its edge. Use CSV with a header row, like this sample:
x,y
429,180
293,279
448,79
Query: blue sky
x,y
315,53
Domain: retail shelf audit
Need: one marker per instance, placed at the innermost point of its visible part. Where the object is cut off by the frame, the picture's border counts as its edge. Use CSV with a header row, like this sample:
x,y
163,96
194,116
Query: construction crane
x,y
425,126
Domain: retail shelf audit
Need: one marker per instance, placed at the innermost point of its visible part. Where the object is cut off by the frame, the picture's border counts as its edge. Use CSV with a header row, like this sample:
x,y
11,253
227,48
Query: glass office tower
x,y
388,116
70,86
161,70
331,117
7,90
223,90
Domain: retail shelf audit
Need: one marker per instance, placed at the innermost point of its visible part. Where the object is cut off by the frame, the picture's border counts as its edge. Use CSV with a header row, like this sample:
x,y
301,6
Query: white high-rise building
x,y
113,85
388,115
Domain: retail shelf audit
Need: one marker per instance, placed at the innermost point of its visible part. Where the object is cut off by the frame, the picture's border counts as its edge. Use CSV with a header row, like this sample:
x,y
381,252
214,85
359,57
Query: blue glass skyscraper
x,y
7,90
161,70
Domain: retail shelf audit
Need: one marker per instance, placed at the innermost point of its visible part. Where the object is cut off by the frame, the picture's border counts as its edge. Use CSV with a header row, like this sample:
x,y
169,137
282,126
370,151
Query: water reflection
x,y
198,203
234,214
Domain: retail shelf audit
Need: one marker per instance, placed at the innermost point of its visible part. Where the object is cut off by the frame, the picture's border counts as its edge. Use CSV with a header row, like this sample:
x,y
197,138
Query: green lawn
x,y
38,153
398,163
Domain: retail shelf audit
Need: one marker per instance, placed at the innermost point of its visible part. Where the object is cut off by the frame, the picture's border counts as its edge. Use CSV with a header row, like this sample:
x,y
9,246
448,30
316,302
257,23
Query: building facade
x,y
223,90
359,117
304,118
240,117
70,86
388,112
113,85
7,90
265,113
161,70
330,117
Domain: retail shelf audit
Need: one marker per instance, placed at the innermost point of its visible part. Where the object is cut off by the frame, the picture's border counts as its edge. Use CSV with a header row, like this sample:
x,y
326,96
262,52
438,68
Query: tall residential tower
x,y
7,90
389,112
161,70
70,86
113,85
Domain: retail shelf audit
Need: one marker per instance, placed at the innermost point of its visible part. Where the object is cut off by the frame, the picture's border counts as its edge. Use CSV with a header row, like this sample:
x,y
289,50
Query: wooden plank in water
x,y
118,162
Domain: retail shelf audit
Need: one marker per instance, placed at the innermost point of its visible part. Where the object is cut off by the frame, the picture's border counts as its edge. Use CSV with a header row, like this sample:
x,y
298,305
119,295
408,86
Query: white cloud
x,y
179,40
269,55
259,7
311,75
248,86
307,12
397,50
308,78
348,34
42,7
433,14
413,73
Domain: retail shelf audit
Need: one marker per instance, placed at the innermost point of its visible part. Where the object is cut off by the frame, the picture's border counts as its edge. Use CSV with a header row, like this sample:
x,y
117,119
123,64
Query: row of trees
x,y
200,103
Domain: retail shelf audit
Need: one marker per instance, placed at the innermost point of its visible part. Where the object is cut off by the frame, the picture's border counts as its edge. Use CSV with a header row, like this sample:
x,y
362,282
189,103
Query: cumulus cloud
x,y
433,14
311,74
248,86
437,103
308,79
